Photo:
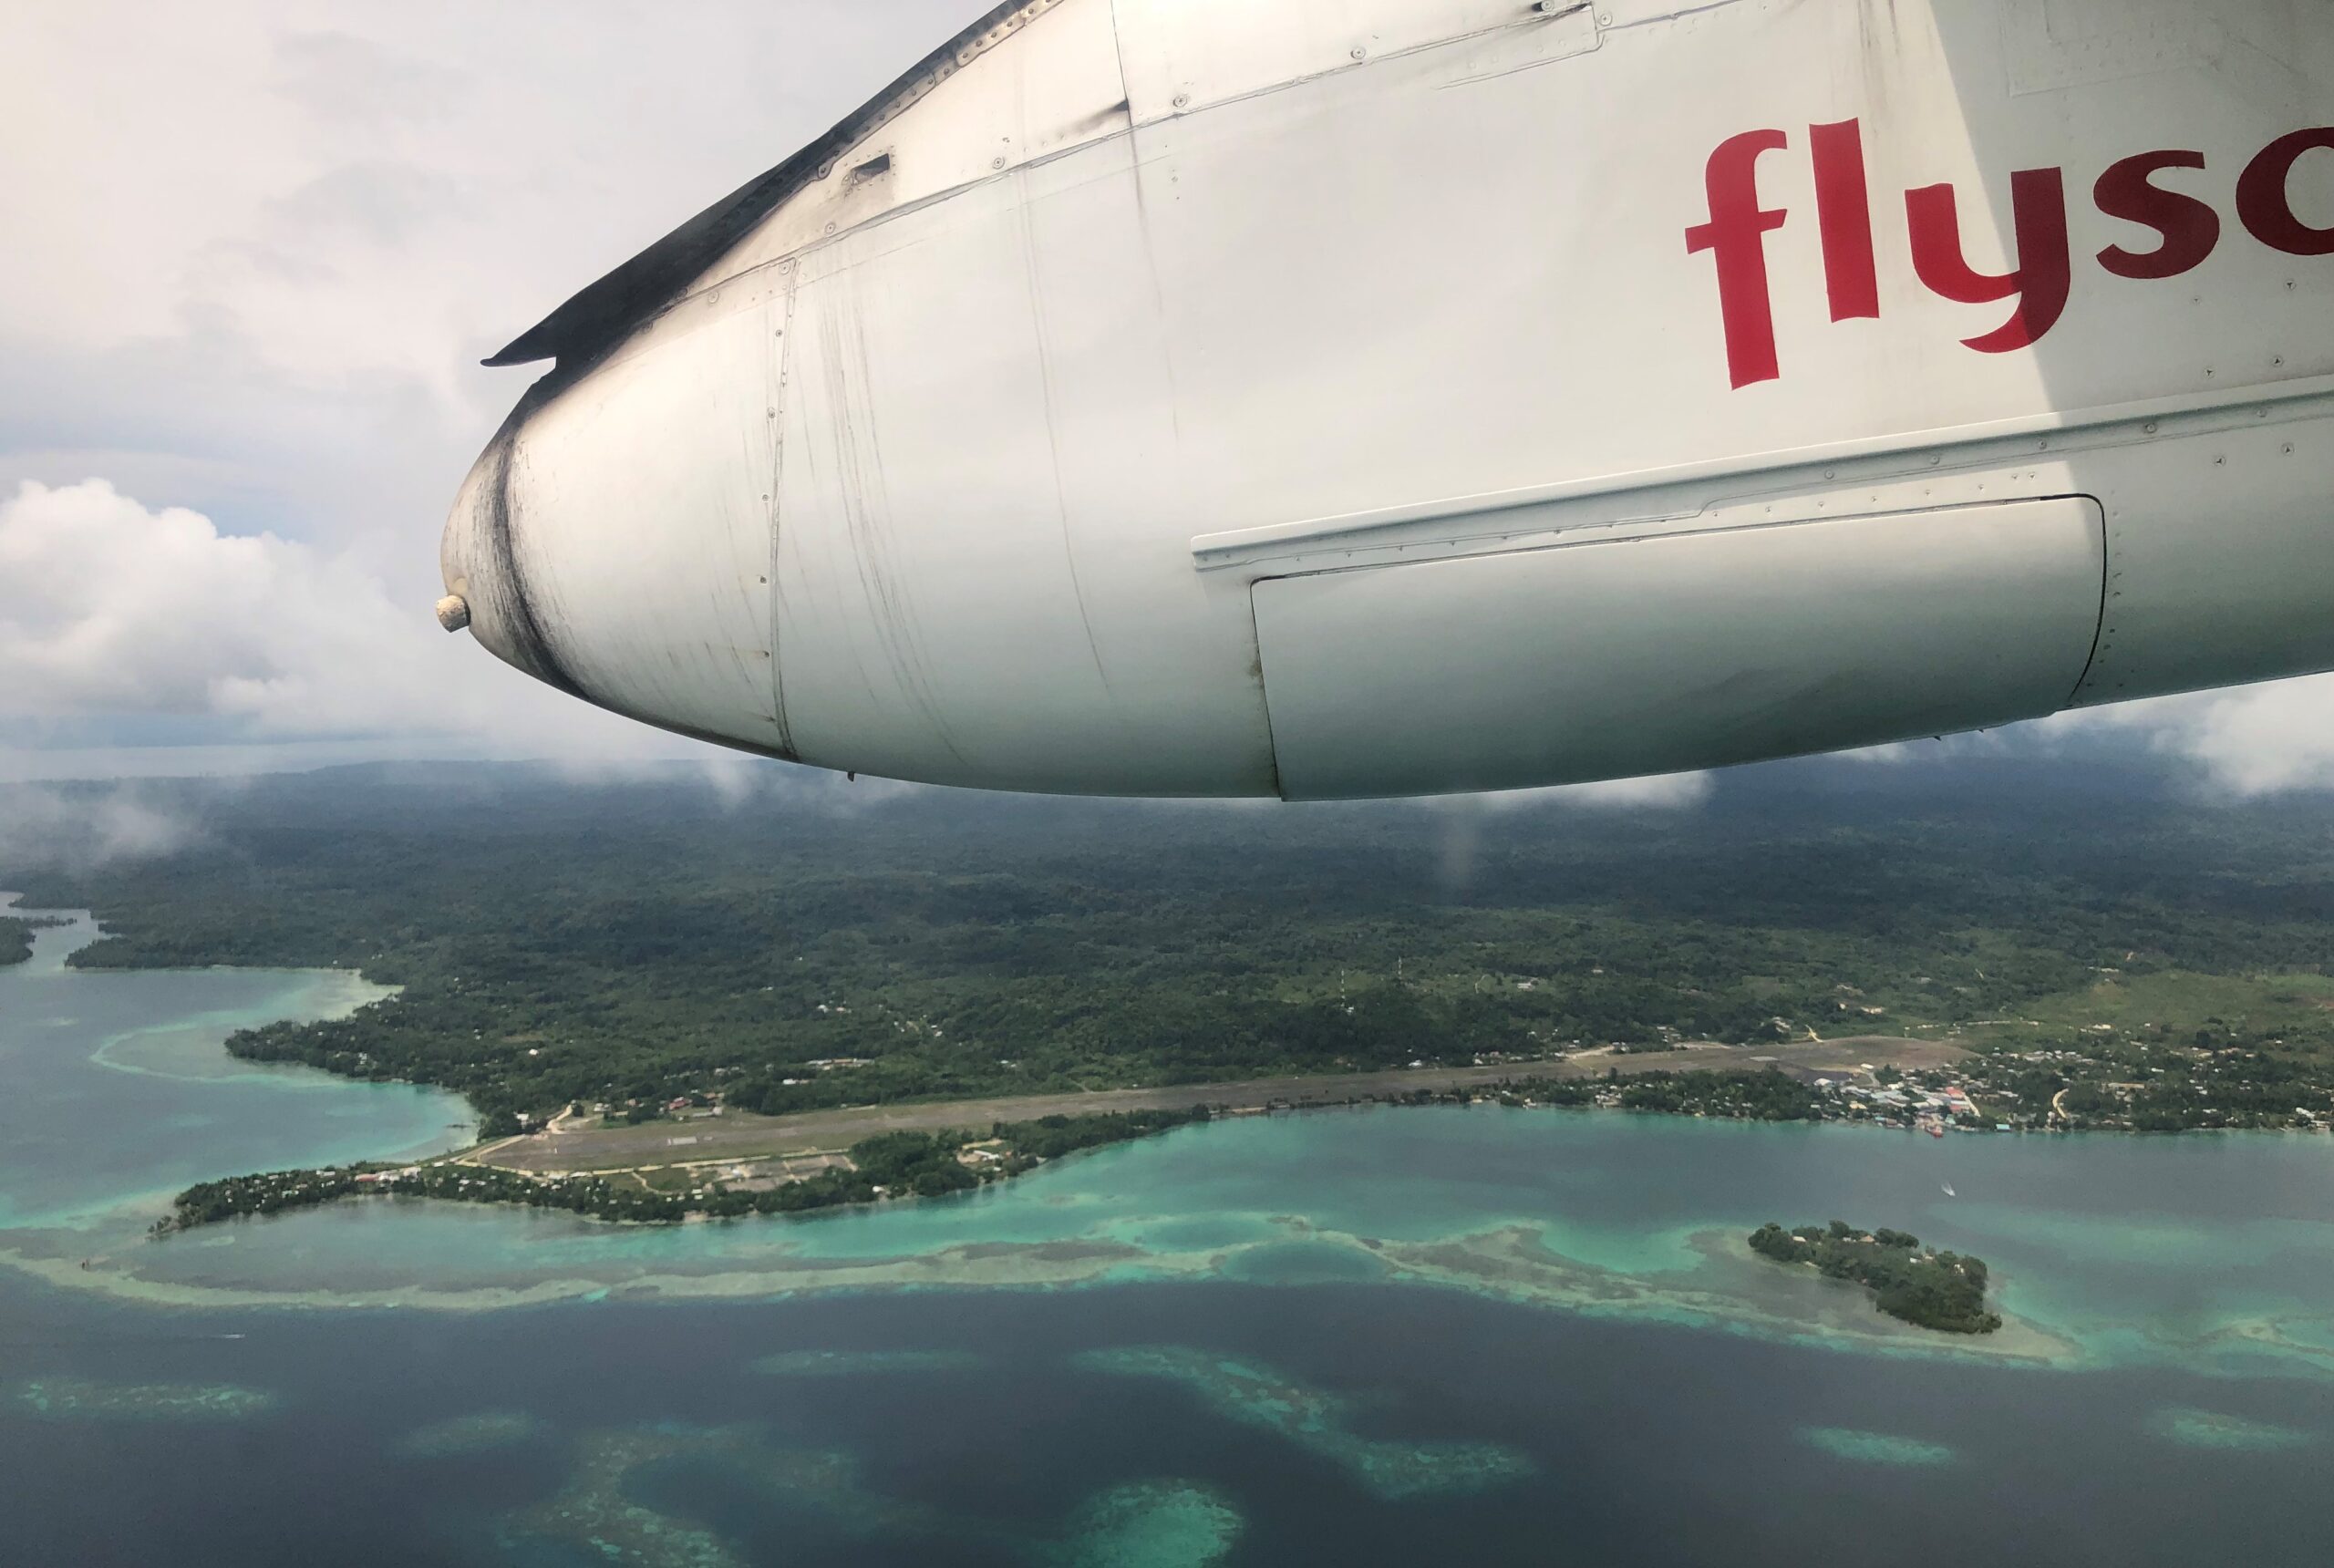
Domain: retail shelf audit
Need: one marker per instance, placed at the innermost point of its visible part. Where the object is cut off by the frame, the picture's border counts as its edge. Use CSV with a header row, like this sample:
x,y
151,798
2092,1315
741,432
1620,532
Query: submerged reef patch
x,y
2194,1428
591,1512
482,1431
1731,1290
852,1362
1148,1524
84,1398
599,1512
1878,1448
1315,1421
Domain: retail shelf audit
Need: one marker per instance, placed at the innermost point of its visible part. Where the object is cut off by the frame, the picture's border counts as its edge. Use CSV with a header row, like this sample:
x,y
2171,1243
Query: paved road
x,y
737,1136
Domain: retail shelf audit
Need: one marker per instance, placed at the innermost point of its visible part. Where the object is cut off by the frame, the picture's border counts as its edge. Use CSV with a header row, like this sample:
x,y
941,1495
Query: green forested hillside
x,y
810,946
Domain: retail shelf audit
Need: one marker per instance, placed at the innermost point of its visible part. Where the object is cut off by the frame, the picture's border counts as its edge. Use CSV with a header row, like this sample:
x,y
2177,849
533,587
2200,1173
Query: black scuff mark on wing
x,y
866,506
603,312
777,366
1044,343
514,608
515,602
1118,116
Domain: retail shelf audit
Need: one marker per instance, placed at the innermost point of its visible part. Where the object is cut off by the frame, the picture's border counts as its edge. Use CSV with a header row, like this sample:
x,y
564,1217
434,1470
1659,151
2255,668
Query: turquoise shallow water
x,y
2212,1252
121,1089
1377,1335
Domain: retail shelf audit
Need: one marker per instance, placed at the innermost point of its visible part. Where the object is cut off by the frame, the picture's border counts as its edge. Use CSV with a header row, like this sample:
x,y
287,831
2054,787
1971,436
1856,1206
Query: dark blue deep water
x,y
1391,1337
1646,1443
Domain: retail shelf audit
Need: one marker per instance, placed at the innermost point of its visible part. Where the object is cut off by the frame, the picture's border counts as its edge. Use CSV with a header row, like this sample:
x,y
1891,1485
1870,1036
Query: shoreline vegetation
x,y
912,1163
890,1165
1929,1289
931,1164
610,974
16,934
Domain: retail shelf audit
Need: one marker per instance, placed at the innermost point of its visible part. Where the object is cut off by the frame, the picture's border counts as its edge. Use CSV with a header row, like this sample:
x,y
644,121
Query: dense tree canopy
x,y
1938,1290
624,944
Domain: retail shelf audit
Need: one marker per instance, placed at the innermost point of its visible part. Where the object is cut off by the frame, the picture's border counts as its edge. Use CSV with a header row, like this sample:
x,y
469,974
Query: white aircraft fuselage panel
x,y
1621,656
1342,398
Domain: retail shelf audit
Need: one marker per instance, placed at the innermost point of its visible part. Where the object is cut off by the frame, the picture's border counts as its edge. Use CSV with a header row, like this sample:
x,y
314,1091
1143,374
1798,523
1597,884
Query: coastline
x,y
1508,1262
541,1185
1086,1226
1711,1282
23,926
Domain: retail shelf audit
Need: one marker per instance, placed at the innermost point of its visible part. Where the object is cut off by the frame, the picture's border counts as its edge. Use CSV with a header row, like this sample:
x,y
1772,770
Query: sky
x,y
255,254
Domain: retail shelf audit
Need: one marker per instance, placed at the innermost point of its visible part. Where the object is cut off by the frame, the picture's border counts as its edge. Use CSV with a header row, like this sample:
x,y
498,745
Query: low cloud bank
x,y
2251,740
118,610
78,829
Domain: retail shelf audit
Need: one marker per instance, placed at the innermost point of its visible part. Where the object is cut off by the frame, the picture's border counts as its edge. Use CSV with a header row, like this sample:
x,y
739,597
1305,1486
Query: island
x,y
901,1164
618,1164
1940,1290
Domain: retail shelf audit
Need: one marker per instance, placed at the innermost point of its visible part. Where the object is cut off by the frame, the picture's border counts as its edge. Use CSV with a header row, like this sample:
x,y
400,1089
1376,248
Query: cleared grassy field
x,y
2176,1004
742,1136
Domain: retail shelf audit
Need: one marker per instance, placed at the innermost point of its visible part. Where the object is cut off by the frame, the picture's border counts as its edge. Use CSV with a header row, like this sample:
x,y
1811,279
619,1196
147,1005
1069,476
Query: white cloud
x,y
1669,792
2241,740
2252,740
72,831
112,608
258,246
1666,792
116,609
358,186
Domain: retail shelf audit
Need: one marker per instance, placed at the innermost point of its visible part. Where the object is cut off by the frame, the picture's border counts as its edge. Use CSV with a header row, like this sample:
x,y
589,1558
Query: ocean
x,y
1388,1335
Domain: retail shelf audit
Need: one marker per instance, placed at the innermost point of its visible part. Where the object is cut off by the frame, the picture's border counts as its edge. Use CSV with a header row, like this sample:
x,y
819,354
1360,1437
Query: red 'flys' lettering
x,y
1843,210
2264,199
1737,231
2042,278
2044,275
2189,228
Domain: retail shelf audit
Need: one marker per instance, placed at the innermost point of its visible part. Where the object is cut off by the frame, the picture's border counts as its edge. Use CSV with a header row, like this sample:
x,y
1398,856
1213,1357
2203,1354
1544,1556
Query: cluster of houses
x,y
1908,1103
373,1177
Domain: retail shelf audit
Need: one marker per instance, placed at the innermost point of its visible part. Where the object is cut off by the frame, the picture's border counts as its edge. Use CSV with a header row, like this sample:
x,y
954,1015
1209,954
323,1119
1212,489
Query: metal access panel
x,y
1626,657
